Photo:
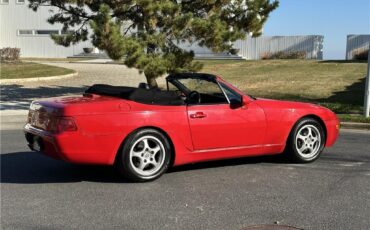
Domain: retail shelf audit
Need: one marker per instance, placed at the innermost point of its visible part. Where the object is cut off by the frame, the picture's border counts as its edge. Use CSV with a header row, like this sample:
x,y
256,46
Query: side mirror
x,y
246,100
235,103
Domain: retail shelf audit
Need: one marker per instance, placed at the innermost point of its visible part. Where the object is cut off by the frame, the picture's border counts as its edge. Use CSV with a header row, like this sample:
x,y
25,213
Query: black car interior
x,y
179,95
141,95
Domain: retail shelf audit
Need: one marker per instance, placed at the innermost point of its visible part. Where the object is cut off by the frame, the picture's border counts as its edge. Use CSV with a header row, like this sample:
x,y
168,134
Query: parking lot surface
x,y
332,193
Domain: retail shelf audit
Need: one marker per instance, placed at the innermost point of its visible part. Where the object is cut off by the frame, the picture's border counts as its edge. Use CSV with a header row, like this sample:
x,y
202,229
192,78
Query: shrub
x,y
284,55
361,55
9,54
234,51
266,56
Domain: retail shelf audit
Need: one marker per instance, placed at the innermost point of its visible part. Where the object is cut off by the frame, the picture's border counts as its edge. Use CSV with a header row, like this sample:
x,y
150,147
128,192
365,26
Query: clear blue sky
x,y
332,18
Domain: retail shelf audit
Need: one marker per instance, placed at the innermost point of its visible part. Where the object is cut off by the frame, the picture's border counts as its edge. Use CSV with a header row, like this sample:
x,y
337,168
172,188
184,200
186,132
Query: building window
x,y
46,32
20,1
25,32
4,1
42,32
67,32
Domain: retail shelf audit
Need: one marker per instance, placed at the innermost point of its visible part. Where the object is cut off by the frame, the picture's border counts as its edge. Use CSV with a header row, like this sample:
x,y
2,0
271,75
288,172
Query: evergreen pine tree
x,y
146,34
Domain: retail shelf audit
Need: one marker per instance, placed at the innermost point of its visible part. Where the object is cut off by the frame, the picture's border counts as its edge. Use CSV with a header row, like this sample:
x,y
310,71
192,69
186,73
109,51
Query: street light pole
x,y
367,87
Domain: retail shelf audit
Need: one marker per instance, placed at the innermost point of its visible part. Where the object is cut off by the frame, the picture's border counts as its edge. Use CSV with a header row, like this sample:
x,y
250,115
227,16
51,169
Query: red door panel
x,y
219,126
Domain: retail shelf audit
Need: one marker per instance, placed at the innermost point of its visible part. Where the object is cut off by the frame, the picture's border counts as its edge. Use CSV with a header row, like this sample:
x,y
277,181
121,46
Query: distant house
x,y
28,30
357,45
255,48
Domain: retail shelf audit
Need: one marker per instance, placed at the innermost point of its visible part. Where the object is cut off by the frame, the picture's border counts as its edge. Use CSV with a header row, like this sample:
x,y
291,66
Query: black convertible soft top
x,y
145,96
204,76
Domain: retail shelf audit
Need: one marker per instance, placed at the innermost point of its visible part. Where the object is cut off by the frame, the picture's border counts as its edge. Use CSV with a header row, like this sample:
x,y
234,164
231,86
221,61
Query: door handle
x,y
198,115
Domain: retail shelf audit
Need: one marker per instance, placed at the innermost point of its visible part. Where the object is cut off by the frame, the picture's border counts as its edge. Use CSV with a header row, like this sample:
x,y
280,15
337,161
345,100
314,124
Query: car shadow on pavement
x,y
34,168
273,159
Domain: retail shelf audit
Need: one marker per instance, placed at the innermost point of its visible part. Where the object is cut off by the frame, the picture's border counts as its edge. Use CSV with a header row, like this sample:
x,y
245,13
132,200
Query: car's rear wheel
x,y
306,141
144,156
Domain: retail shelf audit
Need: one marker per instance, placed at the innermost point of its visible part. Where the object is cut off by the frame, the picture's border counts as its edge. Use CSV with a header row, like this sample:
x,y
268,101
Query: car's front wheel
x,y
306,141
144,156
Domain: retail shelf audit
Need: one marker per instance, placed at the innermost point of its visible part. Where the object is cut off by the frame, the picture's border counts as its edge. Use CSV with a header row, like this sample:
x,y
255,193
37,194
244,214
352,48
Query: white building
x,y
23,28
356,44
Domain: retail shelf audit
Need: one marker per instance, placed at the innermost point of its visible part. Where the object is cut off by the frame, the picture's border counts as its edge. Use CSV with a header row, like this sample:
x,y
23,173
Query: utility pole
x,y
367,87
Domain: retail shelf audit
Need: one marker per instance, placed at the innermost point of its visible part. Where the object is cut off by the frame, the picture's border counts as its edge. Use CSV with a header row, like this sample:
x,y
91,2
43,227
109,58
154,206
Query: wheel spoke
x,y
154,163
155,150
309,131
142,164
146,144
137,154
310,149
302,148
301,137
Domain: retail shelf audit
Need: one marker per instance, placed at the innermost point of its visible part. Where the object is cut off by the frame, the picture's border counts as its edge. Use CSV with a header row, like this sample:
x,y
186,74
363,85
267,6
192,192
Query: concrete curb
x,y
33,79
355,125
13,112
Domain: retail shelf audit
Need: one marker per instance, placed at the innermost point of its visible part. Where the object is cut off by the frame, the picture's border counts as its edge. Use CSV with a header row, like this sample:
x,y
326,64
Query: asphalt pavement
x,y
332,193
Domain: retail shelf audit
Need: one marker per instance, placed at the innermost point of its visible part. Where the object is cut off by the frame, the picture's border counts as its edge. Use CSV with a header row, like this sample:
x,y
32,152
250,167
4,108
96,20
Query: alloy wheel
x,y
147,155
308,141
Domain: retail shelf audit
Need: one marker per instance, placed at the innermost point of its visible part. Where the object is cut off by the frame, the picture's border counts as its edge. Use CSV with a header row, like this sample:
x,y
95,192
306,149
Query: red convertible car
x,y
199,117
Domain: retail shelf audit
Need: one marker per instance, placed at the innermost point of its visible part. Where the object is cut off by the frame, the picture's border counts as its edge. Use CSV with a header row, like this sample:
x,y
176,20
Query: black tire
x,y
296,141
125,161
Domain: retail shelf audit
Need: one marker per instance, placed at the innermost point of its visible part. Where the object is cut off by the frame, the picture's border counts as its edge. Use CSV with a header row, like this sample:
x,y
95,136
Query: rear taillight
x,y
63,124
48,122
29,117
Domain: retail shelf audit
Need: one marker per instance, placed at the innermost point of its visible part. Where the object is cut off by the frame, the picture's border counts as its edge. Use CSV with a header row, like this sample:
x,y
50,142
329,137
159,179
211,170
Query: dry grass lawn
x,y
30,69
338,85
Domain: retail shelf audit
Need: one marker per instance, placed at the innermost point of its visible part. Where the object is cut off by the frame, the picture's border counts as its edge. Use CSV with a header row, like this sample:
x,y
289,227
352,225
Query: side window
x,y
171,87
231,94
201,86
209,92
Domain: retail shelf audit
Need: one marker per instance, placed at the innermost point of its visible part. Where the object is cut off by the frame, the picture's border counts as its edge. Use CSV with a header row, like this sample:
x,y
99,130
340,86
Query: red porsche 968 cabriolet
x,y
198,117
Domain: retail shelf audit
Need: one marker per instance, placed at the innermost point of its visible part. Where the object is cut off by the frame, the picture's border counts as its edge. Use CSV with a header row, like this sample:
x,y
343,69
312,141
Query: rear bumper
x,y
43,142
332,131
74,146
